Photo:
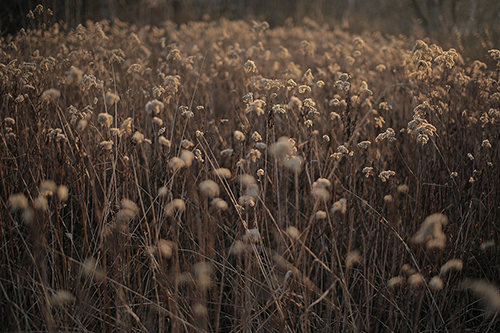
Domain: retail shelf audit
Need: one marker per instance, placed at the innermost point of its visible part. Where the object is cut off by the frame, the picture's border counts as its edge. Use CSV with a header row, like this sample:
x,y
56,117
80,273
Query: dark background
x,y
470,26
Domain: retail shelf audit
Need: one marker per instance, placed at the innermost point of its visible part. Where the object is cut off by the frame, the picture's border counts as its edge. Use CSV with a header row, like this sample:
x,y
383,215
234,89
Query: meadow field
x,y
226,176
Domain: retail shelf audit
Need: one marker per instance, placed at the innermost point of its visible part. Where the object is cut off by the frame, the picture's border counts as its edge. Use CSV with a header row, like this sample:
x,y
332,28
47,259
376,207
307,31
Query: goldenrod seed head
x,y
436,283
138,137
61,298
157,121
416,280
252,236
340,206
226,152
352,258
106,145
395,281
166,248
320,215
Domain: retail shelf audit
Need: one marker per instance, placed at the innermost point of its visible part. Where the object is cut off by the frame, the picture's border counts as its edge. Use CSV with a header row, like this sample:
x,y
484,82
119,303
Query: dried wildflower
x,y
320,193
226,152
134,68
246,201
436,283
252,236
364,144
138,137
175,205
186,144
254,155
239,136
470,156
294,164
111,99
256,106
50,95
164,141
295,103
219,204
416,280
486,144
188,157
304,88
256,136
339,206
320,215
222,172
154,107
386,174
352,258
61,298
395,281
452,265
106,144
157,121
166,248
105,119
176,163
18,202
487,293
62,192
174,55
209,188
249,66
454,174
389,134
431,232
403,188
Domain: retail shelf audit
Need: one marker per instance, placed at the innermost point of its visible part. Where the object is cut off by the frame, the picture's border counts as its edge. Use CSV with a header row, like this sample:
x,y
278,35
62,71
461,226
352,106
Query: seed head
x,y
105,119
209,188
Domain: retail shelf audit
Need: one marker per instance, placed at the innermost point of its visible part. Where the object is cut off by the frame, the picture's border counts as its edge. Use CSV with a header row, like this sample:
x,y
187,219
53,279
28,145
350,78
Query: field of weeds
x,y
229,177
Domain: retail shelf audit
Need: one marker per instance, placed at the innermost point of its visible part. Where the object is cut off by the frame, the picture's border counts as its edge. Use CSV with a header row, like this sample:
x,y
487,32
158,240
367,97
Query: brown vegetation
x,y
228,177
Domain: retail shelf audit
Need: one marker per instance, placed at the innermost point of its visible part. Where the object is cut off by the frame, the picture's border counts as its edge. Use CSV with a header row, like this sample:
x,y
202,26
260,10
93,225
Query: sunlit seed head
x,y
219,204
154,107
431,232
62,192
339,207
187,156
294,164
249,66
209,188
386,174
486,144
403,188
320,194
488,294
260,172
222,172
176,163
111,99
41,203
9,121
416,280
186,144
50,95
163,191
364,144
106,145
61,298
138,137
395,281
252,236
436,283
388,198
320,215
157,121
166,248
48,187
452,265
105,119
164,141
352,258
246,201
175,205
226,152
239,136
295,103
18,202
260,145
